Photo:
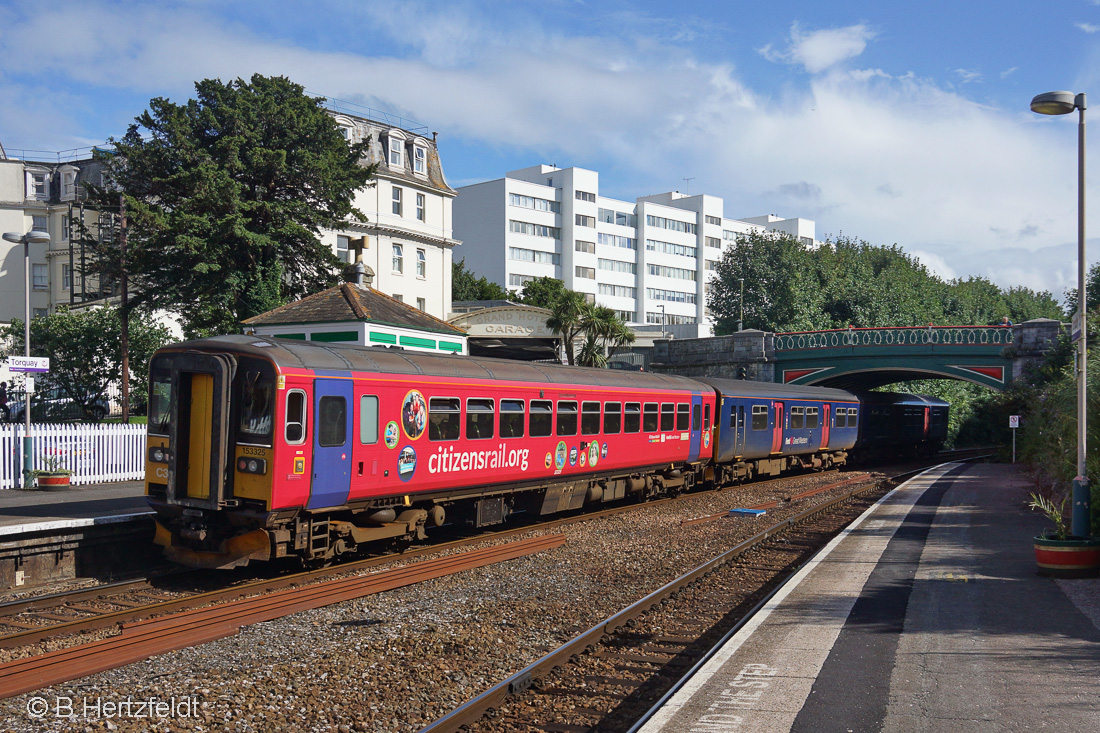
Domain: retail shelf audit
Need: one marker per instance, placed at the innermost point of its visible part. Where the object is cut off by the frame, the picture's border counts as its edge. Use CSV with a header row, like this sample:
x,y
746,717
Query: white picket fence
x,y
94,453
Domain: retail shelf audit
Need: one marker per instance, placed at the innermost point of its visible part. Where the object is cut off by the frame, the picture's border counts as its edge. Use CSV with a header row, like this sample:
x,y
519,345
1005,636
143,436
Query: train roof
x,y
771,389
343,357
901,398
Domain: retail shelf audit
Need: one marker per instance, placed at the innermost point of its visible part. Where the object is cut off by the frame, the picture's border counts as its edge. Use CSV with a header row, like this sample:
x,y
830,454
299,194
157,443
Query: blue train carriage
x,y
896,423
765,429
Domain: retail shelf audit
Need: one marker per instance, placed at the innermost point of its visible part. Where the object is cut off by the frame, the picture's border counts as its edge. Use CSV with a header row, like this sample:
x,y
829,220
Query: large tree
x,y
226,197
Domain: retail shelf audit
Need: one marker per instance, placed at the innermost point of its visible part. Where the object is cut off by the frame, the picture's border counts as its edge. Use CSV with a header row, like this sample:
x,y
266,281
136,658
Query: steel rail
x,y
473,710
150,637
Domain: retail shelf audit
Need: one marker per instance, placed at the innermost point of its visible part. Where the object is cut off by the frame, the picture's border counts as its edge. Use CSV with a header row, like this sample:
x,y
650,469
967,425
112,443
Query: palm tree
x,y
604,332
567,318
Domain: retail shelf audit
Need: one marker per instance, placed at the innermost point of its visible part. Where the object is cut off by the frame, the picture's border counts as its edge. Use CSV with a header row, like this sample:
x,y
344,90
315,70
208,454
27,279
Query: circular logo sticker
x,y
560,454
391,434
584,455
573,456
406,463
593,453
706,438
549,460
603,452
414,414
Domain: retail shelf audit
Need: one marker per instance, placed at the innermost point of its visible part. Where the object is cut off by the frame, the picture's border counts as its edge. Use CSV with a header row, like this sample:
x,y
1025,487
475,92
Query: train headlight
x,y
158,454
252,465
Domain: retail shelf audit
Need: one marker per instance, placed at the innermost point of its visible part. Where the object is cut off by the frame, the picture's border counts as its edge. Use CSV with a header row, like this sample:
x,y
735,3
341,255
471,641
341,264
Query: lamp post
x,y
35,237
741,320
1062,103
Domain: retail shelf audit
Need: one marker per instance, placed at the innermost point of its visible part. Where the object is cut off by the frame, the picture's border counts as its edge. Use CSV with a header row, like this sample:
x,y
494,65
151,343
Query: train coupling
x,y
233,552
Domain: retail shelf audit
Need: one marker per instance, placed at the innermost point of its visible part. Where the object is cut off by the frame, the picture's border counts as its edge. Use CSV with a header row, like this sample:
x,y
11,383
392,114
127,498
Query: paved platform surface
x,y
927,616
74,506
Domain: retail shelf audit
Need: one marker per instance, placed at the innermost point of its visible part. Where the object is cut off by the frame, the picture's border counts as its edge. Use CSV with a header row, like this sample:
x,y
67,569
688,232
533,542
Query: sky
x,y
894,123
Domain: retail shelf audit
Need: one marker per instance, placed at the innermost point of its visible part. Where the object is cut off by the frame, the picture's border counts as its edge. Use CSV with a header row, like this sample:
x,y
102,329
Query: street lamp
x,y
35,237
1062,103
741,320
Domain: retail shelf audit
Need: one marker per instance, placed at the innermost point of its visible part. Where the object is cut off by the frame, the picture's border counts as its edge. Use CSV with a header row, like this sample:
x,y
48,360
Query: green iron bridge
x,y
864,358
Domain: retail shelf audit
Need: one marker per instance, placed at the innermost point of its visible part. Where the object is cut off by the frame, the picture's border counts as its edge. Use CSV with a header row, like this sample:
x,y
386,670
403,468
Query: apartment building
x,y
650,259
407,234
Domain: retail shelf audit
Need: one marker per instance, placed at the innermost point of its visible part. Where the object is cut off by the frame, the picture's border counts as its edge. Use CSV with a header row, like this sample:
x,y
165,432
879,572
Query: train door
x,y
368,442
777,432
740,434
696,444
826,424
198,430
332,435
924,434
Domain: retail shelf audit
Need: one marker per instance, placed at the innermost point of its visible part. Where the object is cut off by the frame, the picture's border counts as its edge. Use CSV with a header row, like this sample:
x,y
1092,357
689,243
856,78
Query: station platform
x,y
926,615
23,511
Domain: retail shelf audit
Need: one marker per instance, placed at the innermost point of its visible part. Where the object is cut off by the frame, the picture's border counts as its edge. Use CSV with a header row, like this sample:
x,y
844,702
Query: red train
x,y
265,448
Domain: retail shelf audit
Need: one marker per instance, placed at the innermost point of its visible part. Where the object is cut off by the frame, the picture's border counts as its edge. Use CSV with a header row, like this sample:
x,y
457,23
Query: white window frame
x,y
420,160
421,206
395,153
38,185
398,259
422,304
66,276
40,276
398,201
421,264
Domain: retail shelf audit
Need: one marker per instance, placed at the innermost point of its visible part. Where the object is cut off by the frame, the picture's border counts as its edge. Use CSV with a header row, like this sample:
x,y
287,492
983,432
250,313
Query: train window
x,y
797,417
542,418
256,406
590,418
733,415
632,419
649,417
852,417
444,414
759,417
696,416
706,417
368,419
295,430
160,405
683,417
612,417
332,421
841,417
511,418
480,417
668,416
812,418
567,418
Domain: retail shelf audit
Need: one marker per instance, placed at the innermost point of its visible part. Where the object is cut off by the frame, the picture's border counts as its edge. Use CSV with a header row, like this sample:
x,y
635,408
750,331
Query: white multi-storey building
x,y
650,260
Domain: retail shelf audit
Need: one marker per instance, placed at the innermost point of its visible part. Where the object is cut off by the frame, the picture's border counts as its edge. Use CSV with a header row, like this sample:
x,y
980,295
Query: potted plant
x,y
1058,553
54,473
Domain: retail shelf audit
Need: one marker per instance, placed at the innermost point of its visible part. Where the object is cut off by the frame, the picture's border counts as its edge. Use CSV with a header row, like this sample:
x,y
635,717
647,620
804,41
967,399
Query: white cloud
x,y
1087,27
822,49
968,75
884,157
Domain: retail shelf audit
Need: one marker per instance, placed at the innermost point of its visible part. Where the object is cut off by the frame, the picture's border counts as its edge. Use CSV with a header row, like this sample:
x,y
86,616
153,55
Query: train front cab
x,y
190,449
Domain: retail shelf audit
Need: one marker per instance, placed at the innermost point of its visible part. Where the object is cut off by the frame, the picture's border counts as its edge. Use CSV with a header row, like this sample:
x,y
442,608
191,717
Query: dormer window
x,y
393,148
420,160
68,182
38,185
395,152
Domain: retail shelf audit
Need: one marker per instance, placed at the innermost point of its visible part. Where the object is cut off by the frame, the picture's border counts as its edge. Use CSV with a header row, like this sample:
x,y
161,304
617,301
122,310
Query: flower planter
x,y
53,480
1073,557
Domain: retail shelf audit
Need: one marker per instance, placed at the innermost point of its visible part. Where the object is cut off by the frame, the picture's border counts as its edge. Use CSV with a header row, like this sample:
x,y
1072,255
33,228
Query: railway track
x,y
40,618
606,678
